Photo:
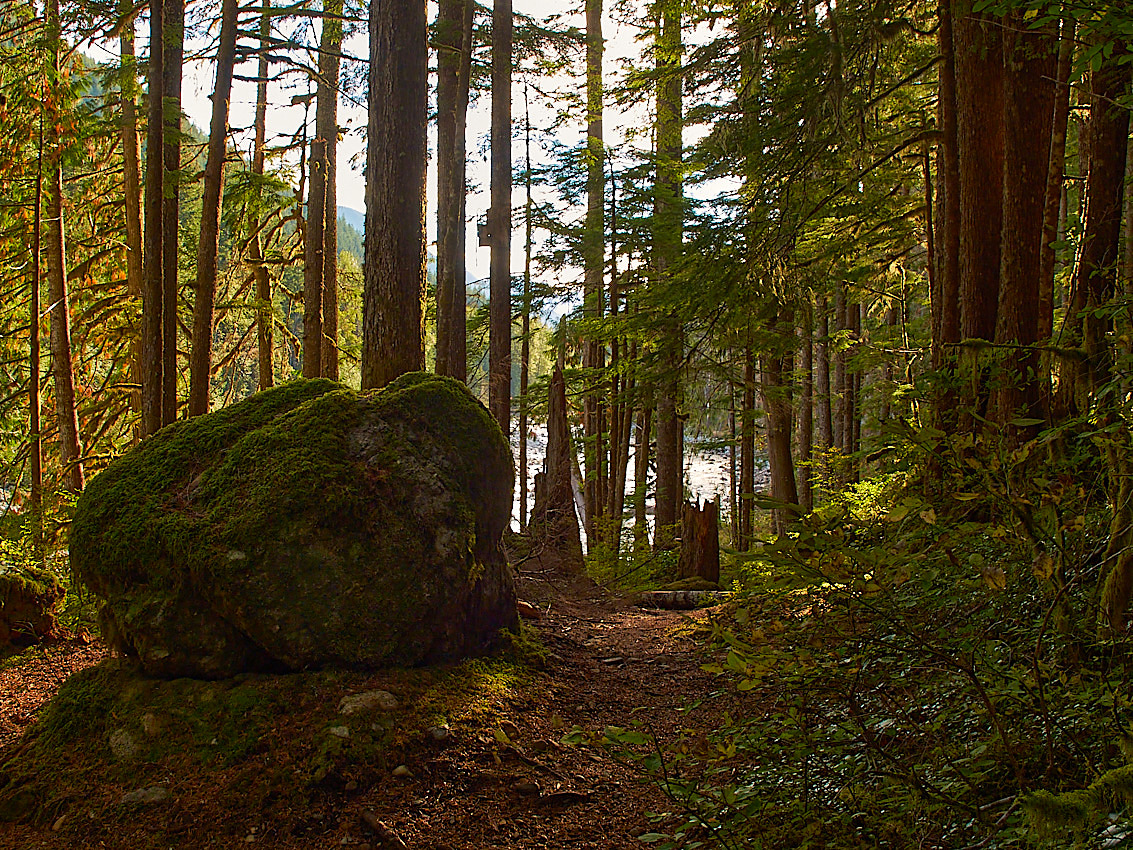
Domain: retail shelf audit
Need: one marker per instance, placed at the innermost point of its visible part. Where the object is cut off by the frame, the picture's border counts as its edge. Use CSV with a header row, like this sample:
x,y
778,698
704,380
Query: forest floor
x,y
504,779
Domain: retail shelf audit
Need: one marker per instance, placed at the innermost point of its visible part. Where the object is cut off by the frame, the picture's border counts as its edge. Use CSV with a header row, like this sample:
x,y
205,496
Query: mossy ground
x,y
269,743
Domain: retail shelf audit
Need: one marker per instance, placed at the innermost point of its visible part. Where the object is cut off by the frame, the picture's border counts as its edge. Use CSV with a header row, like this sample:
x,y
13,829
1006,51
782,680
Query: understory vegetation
x,y
920,662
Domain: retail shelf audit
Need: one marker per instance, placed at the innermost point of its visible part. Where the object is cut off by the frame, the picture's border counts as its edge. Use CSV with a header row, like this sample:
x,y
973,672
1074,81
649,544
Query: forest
x,y
875,258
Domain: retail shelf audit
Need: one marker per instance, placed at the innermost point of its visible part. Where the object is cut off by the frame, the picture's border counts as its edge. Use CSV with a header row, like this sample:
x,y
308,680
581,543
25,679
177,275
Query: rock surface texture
x,y
308,526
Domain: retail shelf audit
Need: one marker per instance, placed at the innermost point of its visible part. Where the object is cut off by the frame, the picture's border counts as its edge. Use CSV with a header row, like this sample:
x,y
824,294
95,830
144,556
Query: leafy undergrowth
x,y
911,671
276,745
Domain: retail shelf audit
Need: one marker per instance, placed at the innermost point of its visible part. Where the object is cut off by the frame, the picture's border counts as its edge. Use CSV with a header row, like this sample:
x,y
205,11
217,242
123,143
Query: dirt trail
x,y
607,660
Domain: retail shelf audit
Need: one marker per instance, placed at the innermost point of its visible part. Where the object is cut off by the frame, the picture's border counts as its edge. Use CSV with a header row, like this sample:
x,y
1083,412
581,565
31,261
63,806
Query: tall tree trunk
x,y
35,427
947,242
499,318
980,132
747,456
806,410
641,473
667,236
264,334
776,392
1029,62
173,16
853,402
622,382
132,190
208,247
822,378
153,293
70,453
454,37
593,249
313,247
553,519
840,396
393,322
1107,141
525,331
326,126
1055,180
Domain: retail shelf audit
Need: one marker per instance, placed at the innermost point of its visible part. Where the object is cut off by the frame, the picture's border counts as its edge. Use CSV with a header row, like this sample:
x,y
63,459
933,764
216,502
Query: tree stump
x,y
700,541
554,523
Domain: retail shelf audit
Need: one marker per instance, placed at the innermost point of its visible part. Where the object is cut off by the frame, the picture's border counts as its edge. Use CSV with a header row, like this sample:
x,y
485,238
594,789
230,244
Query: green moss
x,y
31,583
138,513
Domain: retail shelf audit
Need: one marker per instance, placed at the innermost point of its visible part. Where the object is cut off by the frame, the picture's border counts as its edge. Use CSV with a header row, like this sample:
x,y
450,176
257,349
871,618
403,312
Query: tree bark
x,y
1107,141
393,321
1029,62
747,456
153,293
593,249
554,523
326,127
776,394
641,474
700,542
264,342
822,378
1055,181
947,242
70,452
980,128
313,262
667,236
132,192
173,19
499,314
454,40
200,357
525,330
806,411
35,427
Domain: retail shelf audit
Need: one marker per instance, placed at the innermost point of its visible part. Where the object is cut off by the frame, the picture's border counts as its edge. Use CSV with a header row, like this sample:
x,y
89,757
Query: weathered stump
x,y
554,523
700,542
27,606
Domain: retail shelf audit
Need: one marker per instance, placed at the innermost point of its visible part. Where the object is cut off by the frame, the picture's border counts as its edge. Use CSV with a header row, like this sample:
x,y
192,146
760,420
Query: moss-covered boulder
x,y
309,526
28,598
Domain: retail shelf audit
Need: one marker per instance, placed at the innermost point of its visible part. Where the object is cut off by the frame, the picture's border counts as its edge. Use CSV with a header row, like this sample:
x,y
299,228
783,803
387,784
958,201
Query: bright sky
x,y
284,119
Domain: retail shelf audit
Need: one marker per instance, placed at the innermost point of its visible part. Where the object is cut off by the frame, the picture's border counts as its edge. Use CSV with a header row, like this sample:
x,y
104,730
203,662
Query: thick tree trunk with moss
x,y
393,339
208,246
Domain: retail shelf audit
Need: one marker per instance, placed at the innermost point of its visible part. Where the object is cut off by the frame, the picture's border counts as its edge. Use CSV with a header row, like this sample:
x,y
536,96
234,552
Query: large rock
x,y
308,526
